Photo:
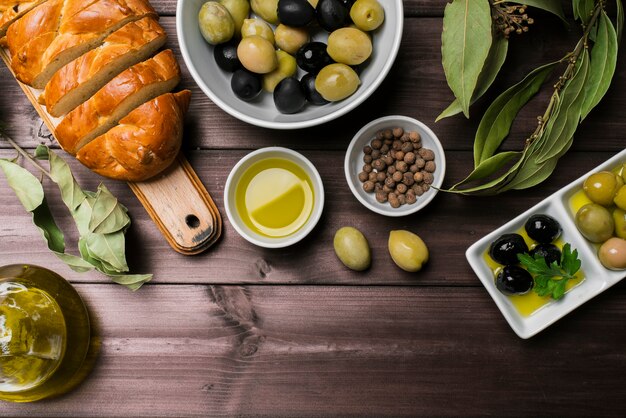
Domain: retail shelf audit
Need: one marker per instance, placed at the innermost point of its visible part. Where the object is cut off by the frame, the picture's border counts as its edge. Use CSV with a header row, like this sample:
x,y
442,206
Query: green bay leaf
x,y
108,215
583,10
71,193
26,186
131,281
489,167
493,64
603,63
496,122
466,41
620,20
109,249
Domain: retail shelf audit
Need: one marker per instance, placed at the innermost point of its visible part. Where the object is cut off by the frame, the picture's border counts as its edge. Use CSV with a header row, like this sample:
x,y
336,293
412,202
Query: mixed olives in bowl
x,y
294,29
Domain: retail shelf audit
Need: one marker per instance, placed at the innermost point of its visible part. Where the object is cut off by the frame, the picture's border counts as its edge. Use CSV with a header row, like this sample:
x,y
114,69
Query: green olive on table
x,y
601,187
239,10
352,248
349,46
367,15
257,54
216,23
336,82
407,250
595,222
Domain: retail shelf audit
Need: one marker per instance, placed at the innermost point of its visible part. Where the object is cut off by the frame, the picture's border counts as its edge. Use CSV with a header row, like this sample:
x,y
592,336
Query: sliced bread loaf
x,y
133,87
143,144
82,78
14,12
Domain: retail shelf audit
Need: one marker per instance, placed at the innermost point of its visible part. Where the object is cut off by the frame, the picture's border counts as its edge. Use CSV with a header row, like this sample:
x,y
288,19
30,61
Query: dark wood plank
x,y
327,351
415,87
448,225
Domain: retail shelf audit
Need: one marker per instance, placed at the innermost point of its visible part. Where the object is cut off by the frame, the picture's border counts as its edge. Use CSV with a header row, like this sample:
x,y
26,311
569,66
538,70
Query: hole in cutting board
x,y
192,221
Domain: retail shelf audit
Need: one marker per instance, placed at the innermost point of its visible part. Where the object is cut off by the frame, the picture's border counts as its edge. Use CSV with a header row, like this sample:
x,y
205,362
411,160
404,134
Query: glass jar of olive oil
x,y
44,334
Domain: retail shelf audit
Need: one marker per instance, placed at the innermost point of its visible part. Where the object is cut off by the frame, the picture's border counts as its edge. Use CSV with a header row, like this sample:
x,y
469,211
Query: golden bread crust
x,y
143,144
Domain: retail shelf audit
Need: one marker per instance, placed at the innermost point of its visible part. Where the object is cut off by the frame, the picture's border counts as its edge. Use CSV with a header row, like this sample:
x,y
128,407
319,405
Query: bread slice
x,y
14,12
143,144
59,31
83,77
133,87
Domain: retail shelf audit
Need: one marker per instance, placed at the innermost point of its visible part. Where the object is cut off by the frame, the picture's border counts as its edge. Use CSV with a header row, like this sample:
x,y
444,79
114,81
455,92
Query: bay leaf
x,y
82,214
583,10
71,193
108,248
563,124
108,215
466,40
496,123
552,6
493,64
489,167
41,152
131,281
603,63
26,186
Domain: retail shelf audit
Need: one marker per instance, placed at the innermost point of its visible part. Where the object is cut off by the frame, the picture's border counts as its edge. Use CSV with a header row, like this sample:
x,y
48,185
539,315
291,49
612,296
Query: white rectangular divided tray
x,y
597,277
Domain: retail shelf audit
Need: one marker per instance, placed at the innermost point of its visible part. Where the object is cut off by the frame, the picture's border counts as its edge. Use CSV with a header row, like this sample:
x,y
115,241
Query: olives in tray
x,y
245,84
216,23
601,187
286,68
331,14
295,13
336,82
289,96
514,280
266,10
311,94
505,248
290,39
367,15
257,54
312,57
612,254
238,9
257,27
543,228
226,56
595,222
349,46
550,252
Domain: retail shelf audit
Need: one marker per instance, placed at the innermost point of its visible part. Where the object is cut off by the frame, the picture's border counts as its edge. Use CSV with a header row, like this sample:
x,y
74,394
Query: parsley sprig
x,y
552,279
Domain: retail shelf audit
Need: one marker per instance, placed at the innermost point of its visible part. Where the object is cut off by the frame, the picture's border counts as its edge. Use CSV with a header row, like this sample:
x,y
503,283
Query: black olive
x,y
312,95
312,57
347,3
505,249
289,96
245,84
543,228
514,280
549,252
332,15
226,56
296,13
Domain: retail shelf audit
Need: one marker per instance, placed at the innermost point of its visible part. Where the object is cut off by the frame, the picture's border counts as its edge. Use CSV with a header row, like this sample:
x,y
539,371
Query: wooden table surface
x,y
240,330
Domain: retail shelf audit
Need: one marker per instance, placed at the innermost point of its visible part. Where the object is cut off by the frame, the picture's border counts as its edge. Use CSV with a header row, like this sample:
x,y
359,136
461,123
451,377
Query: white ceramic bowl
x,y
215,83
597,277
231,186
354,162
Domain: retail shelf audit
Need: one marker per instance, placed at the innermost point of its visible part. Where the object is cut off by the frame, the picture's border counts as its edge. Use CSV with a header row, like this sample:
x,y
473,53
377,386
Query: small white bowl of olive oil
x,y
274,197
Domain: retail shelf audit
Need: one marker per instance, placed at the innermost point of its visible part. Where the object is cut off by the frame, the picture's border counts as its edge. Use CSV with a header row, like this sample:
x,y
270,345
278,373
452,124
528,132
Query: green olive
x,y
601,187
239,10
349,46
266,9
352,248
257,54
367,15
336,82
612,254
619,219
216,23
620,198
290,39
595,222
407,250
620,171
286,68
257,27
313,2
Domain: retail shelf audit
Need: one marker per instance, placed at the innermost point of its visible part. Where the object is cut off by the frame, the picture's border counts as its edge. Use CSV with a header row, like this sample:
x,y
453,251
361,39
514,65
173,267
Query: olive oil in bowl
x,y
274,197
44,334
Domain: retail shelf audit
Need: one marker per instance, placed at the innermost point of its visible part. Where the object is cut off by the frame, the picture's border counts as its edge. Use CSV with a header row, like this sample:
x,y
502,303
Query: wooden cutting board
x,y
176,200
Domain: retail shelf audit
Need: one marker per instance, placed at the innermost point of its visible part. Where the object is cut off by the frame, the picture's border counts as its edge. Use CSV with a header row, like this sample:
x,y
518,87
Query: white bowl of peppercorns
x,y
395,165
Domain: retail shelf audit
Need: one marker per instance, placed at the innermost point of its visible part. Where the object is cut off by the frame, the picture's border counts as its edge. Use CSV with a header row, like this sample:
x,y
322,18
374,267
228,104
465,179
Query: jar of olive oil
x,y
44,334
